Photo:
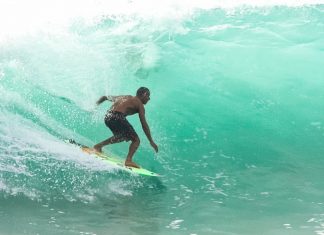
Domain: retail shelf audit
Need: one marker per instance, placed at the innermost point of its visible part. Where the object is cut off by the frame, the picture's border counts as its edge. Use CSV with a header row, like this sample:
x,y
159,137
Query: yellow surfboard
x,y
113,161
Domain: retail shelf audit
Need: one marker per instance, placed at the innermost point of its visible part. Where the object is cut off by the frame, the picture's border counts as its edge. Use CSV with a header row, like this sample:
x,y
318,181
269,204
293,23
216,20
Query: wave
x,y
222,101
22,18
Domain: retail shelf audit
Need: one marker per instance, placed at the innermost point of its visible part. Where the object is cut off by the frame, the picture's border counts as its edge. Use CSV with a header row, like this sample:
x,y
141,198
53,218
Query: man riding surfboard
x,y
122,130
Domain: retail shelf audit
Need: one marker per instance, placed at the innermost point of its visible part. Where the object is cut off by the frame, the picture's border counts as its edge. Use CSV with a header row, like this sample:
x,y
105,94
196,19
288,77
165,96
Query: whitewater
x,y
236,109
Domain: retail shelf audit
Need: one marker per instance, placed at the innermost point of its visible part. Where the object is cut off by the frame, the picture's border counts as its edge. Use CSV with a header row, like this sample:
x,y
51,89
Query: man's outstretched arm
x,y
102,99
110,98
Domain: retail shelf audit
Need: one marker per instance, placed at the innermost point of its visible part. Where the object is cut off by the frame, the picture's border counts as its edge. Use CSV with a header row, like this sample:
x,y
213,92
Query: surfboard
x,y
113,161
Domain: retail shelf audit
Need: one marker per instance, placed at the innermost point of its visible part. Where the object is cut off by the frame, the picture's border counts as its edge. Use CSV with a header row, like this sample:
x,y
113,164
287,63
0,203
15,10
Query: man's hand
x,y
154,146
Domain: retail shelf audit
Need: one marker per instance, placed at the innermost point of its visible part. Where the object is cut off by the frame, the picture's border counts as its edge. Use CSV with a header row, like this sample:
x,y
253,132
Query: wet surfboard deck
x,y
113,161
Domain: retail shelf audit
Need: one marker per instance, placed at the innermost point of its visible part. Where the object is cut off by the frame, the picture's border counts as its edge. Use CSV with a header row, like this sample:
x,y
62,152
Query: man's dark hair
x,y
141,91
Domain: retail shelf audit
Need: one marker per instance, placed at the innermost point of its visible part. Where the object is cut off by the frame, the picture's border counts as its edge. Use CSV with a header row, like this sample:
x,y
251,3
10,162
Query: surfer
x,y
122,130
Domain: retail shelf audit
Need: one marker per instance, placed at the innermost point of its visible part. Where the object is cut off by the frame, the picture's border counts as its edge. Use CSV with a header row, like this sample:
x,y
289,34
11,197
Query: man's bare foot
x,y
132,164
97,149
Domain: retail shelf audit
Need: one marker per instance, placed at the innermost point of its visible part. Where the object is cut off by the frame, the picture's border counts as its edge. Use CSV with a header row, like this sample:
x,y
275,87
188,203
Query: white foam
x,y
175,224
26,17
150,56
23,136
3,187
119,187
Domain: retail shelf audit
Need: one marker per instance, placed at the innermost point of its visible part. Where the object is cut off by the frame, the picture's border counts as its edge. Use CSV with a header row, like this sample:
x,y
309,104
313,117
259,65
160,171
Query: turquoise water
x,y
236,109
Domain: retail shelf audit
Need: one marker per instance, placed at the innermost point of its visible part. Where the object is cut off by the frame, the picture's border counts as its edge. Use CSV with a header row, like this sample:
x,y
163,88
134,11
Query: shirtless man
x,y
116,121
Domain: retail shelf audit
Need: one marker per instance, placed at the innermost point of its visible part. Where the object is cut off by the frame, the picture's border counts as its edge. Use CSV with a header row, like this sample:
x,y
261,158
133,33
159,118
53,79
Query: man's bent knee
x,y
136,141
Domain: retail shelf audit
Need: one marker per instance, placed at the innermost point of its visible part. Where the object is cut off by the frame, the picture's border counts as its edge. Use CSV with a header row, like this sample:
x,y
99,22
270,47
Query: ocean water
x,y
236,109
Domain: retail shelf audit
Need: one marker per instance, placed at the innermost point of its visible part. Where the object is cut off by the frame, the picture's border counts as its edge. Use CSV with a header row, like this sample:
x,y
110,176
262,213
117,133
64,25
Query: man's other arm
x,y
145,127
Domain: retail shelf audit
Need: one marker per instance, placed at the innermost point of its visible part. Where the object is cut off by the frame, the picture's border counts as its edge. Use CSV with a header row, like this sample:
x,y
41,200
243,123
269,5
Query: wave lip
x,y
19,18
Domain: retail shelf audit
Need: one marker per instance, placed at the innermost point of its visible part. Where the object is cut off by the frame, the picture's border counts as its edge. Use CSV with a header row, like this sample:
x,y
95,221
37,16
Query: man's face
x,y
146,97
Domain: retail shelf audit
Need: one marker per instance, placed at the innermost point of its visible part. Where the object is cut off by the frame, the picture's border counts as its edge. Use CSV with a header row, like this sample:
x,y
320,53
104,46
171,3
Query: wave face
x,y
236,109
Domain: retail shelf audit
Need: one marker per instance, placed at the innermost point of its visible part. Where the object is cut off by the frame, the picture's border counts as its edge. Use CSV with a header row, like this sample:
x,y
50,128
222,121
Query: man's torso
x,y
127,105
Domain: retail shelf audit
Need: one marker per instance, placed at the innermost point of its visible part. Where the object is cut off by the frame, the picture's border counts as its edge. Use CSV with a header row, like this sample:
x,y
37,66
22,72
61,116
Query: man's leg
x,y
111,140
132,149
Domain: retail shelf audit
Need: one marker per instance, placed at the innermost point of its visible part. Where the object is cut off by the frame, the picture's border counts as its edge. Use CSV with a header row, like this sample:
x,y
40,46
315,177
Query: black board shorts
x,y
120,127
